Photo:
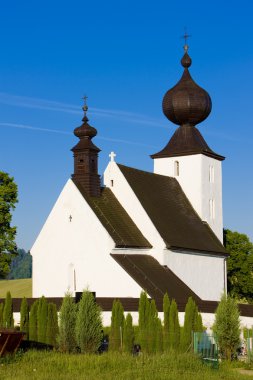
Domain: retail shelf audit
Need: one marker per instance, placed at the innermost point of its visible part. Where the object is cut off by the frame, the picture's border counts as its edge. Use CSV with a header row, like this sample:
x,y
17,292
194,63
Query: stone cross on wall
x,y
112,156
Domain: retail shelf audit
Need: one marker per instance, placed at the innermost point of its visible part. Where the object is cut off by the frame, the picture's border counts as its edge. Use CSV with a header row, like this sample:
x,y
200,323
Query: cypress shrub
x,y
52,325
191,323
88,324
128,336
166,315
67,324
8,321
174,327
33,321
159,336
42,320
1,314
117,325
24,317
144,309
152,327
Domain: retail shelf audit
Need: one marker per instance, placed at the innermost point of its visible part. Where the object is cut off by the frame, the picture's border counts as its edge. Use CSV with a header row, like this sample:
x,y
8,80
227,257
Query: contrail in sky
x,y
38,129
48,105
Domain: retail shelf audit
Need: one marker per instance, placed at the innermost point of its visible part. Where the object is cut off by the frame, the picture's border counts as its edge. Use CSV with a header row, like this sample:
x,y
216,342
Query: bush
x,y
67,324
8,321
128,336
33,321
166,314
117,325
174,327
24,317
52,325
42,320
144,310
88,324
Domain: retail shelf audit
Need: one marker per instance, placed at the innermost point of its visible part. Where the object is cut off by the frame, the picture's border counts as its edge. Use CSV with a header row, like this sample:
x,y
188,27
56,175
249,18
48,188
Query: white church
x,y
161,231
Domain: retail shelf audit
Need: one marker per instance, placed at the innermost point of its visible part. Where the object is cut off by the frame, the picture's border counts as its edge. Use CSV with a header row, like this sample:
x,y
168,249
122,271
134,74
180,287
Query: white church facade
x,y
161,231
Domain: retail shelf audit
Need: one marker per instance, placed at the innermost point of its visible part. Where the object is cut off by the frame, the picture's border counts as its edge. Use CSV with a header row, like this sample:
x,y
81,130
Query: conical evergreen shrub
x,y
67,324
52,325
117,325
152,327
24,318
166,315
1,314
8,321
144,310
33,319
88,324
174,327
191,324
128,336
42,320
159,336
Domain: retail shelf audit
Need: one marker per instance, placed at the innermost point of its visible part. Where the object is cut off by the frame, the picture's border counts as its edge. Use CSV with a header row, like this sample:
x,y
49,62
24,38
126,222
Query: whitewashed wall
x,y
204,274
194,179
83,247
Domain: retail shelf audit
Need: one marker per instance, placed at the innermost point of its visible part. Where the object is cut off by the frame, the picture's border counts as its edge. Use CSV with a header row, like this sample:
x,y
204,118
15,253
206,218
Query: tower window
x,y
111,182
211,209
81,160
211,174
176,168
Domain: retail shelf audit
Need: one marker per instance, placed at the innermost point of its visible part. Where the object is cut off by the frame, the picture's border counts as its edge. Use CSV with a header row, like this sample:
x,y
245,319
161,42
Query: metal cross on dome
x,y
85,107
185,37
112,156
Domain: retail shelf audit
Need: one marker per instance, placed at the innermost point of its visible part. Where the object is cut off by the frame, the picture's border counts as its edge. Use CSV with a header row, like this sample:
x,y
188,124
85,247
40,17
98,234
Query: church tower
x,y
86,157
187,157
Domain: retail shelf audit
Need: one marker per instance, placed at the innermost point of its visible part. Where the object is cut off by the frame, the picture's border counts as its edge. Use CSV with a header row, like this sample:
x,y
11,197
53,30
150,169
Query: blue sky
x,y
124,55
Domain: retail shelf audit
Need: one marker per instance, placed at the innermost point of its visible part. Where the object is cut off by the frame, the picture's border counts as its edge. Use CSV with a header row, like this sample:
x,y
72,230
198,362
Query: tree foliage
x,y
117,325
174,327
24,317
239,265
52,325
67,324
21,265
166,316
227,326
144,310
191,324
33,321
88,324
42,320
8,321
8,199
128,336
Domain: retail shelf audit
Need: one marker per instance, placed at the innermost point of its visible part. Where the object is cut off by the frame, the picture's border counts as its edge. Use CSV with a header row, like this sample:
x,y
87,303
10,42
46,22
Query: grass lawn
x,y
35,365
18,288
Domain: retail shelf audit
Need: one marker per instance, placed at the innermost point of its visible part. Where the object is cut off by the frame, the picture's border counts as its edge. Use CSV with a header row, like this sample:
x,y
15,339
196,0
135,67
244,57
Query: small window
x,y
111,182
81,160
211,208
211,174
176,168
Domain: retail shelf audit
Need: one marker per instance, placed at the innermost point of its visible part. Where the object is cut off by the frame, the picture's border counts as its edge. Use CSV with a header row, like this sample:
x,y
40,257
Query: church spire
x,y
86,157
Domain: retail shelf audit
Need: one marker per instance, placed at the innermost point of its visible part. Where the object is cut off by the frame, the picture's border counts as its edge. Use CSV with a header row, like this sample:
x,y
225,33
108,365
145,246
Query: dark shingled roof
x,y
171,212
155,279
115,219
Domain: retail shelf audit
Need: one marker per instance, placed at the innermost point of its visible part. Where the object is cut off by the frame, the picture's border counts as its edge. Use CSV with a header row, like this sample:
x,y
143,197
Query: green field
x,y
18,288
56,366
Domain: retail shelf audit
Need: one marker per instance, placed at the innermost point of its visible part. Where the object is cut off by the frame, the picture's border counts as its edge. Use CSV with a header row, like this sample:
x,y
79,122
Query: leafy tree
x,y
42,320
88,324
190,323
8,321
239,265
174,327
227,326
24,317
128,336
33,321
67,324
21,265
144,310
8,199
52,325
166,314
1,314
117,325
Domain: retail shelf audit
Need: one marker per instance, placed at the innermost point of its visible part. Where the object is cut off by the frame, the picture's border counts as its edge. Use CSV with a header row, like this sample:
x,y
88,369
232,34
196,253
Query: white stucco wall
x,y
198,187
204,274
82,246
131,204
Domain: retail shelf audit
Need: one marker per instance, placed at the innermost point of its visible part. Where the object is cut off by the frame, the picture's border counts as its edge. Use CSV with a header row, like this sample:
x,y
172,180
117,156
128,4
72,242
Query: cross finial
x,y
85,107
112,156
185,37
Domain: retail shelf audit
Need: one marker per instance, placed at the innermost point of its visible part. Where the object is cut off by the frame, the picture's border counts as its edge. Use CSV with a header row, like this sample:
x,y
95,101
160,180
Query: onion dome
x,y
186,103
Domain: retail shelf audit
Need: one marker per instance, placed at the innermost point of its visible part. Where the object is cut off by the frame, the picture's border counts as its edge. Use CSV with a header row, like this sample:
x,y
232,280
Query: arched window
x,y
176,168
211,174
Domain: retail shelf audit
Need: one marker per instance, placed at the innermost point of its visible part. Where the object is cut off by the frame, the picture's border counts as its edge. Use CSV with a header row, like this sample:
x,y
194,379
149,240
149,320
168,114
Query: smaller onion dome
x,y
186,103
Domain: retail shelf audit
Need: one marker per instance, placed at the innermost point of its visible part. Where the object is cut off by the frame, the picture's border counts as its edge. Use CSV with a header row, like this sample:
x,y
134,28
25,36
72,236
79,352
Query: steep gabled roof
x,y
115,219
155,279
171,212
